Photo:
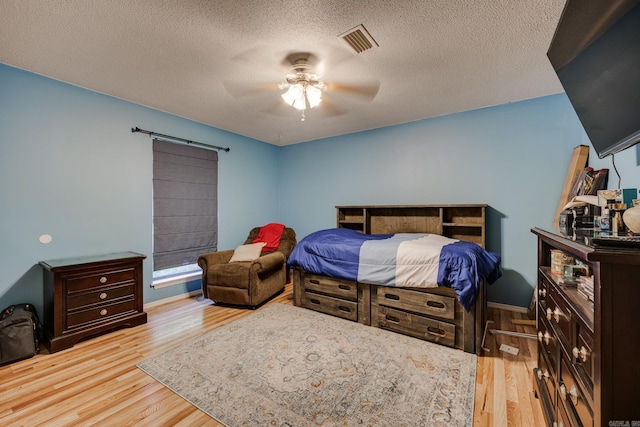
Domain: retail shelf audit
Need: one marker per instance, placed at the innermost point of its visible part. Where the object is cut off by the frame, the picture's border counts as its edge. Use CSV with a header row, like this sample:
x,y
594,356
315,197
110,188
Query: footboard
x,y
428,314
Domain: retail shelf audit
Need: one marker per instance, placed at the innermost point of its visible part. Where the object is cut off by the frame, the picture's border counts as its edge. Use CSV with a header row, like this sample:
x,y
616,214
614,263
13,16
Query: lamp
x,y
303,88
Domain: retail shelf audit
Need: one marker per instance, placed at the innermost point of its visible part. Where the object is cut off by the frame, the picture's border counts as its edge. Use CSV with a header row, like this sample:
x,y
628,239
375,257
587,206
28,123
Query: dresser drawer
x,y
417,326
570,395
546,375
330,305
417,301
81,317
558,314
583,360
96,279
548,344
105,295
340,288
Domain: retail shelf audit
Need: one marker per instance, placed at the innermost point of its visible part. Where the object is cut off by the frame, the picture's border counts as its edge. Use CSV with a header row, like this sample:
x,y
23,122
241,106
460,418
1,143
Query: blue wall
x,y
70,167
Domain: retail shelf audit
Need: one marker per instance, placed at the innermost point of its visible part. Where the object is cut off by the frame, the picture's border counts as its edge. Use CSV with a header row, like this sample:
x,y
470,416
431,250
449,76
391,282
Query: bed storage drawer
x,y
416,301
417,326
326,285
334,306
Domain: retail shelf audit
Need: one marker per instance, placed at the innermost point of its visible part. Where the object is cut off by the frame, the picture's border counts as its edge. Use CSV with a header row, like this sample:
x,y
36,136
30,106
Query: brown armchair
x,y
247,283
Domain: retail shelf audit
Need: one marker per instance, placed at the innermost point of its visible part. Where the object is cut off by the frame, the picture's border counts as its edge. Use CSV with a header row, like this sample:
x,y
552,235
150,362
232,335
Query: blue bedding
x,y
408,260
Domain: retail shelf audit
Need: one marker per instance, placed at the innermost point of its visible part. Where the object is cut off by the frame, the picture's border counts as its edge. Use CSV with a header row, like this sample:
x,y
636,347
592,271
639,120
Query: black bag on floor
x,y
19,332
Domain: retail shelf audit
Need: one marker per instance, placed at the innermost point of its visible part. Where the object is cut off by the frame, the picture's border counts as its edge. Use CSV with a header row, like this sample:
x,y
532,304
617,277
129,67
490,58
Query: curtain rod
x,y
150,133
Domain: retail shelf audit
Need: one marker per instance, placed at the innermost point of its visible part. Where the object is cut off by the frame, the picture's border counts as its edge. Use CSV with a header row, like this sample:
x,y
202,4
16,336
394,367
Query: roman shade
x,y
185,205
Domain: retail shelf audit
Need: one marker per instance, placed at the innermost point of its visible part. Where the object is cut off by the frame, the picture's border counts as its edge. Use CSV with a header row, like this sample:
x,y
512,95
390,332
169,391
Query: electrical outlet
x,y
508,349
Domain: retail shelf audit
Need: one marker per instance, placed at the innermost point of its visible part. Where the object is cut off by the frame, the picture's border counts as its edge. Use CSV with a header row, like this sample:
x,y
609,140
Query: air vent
x,y
359,39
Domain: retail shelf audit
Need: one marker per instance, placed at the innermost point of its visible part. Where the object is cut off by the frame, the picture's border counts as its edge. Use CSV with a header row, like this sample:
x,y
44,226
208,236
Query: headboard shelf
x,y
457,221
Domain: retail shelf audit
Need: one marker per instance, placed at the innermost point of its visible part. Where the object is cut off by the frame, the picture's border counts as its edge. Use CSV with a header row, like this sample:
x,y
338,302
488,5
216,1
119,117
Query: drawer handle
x,y
549,313
103,279
435,331
544,374
103,295
314,301
436,304
542,292
345,287
314,281
345,309
392,318
573,394
392,296
546,337
580,355
103,312
557,313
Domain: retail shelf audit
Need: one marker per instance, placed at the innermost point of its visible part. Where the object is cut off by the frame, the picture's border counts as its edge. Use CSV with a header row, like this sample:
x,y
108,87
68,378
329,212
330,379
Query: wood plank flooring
x,y
97,383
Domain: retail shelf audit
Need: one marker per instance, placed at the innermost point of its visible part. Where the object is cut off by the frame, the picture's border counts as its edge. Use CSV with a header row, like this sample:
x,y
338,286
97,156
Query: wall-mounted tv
x,y
596,55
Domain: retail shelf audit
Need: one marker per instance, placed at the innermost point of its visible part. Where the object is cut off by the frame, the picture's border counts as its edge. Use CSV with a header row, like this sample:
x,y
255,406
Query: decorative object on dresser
x,y
588,334
287,366
430,313
91,295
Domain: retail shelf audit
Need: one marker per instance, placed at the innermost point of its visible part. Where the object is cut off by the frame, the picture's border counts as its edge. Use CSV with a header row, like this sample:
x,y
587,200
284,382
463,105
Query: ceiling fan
x,y
302,81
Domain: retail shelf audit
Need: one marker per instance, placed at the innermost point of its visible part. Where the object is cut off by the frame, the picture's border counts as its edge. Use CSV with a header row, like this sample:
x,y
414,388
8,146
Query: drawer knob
x,y
544,337
582,354
557,313
103,295
103,279
549,313
103,312
544,374
573,394
542,292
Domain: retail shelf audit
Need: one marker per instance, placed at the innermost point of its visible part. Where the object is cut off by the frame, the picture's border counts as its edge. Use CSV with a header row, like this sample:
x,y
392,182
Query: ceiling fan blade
x,y
328,108
362,91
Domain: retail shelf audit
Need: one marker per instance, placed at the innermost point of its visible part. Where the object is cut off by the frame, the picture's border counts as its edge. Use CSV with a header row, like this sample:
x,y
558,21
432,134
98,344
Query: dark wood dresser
x,y
89,296
588,371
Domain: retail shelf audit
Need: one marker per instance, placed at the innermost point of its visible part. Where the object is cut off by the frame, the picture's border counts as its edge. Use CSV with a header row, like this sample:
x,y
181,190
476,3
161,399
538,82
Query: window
x,y
185,208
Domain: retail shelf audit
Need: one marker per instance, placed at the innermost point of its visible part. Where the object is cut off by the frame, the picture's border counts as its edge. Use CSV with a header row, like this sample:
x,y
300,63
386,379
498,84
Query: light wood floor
x,y
97,383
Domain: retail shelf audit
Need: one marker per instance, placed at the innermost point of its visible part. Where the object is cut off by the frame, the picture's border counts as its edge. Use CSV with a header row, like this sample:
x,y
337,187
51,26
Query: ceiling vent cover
x,y
359,39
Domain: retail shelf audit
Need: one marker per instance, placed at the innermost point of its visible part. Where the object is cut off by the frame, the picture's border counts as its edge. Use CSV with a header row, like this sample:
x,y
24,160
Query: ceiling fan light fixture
x,y
303,87
294,96
314,95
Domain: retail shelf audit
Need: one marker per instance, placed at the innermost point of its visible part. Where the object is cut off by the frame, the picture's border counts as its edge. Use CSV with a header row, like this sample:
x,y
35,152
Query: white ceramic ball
x,y
631,218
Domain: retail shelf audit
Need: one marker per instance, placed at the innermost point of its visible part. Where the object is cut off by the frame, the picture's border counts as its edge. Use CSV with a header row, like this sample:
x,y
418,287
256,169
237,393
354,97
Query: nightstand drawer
x,y
105,295
416,301
96,279
102,312
337,287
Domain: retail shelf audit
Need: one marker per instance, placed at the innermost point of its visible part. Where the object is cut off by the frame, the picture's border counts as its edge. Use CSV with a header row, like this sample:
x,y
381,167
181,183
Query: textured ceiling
x,y
219,62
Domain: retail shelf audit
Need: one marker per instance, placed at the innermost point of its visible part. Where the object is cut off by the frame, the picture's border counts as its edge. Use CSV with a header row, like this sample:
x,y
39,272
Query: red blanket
x,y
270,234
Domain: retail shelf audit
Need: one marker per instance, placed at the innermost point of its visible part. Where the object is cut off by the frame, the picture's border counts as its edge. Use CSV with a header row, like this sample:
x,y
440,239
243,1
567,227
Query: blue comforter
x,y
407,260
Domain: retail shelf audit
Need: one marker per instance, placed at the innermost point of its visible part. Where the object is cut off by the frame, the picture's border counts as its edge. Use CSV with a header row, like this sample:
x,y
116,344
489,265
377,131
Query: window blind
x,y
185,203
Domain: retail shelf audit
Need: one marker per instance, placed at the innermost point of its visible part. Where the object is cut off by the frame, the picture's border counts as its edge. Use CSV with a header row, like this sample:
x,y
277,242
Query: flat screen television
x,y
600,70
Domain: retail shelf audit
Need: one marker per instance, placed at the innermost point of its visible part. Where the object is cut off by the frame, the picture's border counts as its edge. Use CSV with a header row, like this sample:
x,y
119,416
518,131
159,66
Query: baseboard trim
x,y
192,294
508,307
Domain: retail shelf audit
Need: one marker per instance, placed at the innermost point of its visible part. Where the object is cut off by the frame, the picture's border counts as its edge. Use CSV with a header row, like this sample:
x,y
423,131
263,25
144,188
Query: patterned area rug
x,y
289,366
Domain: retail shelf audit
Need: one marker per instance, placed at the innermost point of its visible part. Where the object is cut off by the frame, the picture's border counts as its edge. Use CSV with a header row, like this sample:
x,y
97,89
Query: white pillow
x,y
247,252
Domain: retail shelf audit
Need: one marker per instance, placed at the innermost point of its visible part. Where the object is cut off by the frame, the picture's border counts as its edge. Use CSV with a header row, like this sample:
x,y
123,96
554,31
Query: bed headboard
x,y
462,222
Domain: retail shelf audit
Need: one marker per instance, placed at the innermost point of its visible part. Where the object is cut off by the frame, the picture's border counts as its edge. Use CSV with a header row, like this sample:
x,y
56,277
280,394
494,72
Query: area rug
x,y
289,366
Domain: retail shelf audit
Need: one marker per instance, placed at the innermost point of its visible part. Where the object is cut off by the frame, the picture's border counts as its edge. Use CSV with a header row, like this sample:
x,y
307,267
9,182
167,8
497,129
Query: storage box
x,y
558,260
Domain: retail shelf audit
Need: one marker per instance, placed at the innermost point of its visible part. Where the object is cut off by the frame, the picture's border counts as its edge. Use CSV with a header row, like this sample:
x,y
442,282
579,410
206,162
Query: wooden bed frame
x,y
433,314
